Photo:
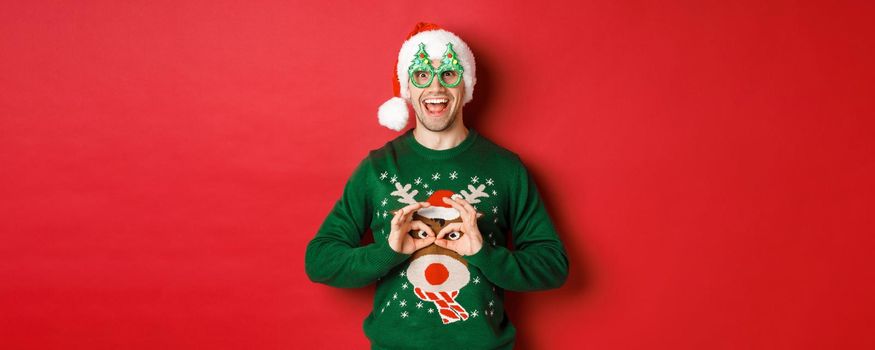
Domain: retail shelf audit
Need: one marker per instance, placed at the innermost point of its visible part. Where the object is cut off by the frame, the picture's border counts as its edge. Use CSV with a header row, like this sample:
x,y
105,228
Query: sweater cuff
x,y
482,257
382,256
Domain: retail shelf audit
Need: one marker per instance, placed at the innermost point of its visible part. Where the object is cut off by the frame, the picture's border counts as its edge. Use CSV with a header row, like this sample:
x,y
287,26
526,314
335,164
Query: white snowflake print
x,y
435,176
477,280
495,220
474,314
388,303
418,180
385,213
419,305
489,182
493,243
425,185
491,302
404,286
404,314
431,311
382,310
383,175
384,201
453,175
475,179
403,302
394,179
429,192
395,296
495,210
401,273
494,193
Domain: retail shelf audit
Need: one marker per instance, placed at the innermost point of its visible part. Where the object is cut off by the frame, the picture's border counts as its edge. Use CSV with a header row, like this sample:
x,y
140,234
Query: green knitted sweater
x,y
439,299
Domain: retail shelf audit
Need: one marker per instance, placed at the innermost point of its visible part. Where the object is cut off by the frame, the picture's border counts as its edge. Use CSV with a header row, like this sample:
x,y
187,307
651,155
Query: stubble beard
x,y
438,125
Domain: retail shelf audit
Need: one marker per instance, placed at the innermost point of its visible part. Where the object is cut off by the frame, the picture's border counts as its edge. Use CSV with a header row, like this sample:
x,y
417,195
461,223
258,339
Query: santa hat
x,y
393,113
439,209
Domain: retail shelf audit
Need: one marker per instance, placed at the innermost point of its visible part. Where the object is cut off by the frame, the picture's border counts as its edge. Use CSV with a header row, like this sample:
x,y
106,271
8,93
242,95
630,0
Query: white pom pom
x,y
393,113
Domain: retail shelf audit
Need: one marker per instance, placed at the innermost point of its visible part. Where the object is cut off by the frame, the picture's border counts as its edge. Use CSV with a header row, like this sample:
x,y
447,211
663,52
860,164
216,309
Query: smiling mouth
x,y
435,105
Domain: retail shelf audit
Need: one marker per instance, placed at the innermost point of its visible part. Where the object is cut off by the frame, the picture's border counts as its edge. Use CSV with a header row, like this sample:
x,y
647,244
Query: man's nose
x,y
436,84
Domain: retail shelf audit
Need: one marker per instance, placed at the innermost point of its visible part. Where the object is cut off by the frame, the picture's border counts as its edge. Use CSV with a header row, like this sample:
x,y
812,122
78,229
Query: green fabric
x,y
400,318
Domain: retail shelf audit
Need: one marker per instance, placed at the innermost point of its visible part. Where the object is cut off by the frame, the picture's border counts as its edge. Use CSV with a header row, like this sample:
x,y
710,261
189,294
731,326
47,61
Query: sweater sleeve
x,y
539,261
334,257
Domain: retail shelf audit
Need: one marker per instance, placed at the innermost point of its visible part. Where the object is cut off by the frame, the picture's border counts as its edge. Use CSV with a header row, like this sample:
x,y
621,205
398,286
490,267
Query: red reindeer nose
x,y
436,273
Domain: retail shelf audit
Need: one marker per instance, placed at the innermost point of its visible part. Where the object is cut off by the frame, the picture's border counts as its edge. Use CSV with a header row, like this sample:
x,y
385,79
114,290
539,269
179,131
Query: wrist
x,y
479,254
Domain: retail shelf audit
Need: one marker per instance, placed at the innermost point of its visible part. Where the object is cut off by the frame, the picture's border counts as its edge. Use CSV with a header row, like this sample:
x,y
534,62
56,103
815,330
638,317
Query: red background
x,y
709,165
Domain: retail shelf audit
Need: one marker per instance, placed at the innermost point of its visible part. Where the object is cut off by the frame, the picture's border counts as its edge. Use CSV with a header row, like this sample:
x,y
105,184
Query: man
x,y
439,200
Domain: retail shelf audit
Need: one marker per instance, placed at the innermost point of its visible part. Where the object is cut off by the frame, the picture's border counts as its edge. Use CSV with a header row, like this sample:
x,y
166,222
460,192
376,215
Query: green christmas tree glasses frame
x,y
422,73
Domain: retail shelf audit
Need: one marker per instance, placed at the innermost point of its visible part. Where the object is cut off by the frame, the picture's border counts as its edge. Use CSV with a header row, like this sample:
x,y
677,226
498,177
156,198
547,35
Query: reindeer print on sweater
x,y
437,275
434,297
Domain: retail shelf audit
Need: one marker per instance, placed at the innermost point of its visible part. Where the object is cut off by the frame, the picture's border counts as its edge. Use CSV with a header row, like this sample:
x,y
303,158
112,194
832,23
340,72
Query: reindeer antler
x,y
475,193
405,197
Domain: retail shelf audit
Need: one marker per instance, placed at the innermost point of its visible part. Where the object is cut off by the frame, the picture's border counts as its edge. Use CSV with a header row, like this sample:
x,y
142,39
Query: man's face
x,y
437,106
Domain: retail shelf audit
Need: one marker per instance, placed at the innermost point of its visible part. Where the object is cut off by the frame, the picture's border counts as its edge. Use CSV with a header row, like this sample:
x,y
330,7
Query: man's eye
x,y
449,74
418,234
454,235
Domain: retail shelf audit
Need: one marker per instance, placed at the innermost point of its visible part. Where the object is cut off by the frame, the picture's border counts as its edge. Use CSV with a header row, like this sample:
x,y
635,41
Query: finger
x,y
470,211
421,205
453,203
416,224
412,208
441,243
468,206
461,201
406,209
409,209
397,217
456,226
422,243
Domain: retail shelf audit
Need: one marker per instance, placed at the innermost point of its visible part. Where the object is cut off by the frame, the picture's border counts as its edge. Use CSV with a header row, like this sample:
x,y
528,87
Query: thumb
x,y
441,243
422,243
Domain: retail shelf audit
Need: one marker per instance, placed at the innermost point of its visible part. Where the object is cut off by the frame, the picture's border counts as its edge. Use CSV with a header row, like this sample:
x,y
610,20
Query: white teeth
x,y
436,100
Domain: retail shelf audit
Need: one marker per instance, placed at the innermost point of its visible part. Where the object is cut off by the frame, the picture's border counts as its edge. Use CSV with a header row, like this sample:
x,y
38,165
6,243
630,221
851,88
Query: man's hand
x,y
399,239
471,241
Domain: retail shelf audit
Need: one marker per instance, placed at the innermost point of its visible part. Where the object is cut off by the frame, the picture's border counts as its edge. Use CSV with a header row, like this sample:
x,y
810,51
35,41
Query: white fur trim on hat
x,y
393,113
436,44
436,212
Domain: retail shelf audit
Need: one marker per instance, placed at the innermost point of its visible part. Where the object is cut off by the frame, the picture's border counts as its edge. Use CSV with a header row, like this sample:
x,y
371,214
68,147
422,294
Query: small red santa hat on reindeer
x,y
394,113
439,209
